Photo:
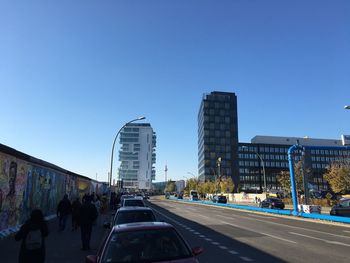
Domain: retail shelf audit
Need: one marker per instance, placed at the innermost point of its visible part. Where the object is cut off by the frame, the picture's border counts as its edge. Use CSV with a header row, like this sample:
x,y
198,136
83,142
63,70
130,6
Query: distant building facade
x,y
273,152
137,156
218,136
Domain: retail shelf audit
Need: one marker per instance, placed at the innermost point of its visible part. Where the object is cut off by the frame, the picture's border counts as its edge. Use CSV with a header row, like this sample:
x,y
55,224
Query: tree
x,y
338,177
226,185
170,186
284,178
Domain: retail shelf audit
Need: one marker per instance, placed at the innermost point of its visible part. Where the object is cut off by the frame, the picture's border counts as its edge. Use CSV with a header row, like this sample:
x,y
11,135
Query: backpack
x,y
33,239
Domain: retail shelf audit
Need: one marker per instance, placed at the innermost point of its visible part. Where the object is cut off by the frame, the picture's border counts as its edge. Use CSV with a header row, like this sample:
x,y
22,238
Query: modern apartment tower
x,y
137,156
218,137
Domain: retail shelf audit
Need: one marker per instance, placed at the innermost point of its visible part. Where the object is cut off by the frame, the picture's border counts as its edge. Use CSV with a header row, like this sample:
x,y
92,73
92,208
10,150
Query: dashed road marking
x,y
215,243
246,259
222,247
208,239
233,252
321,239
202,236
196,233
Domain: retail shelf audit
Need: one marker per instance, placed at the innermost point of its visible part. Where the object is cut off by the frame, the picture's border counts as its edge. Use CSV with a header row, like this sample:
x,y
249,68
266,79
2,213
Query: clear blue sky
x,y
73,72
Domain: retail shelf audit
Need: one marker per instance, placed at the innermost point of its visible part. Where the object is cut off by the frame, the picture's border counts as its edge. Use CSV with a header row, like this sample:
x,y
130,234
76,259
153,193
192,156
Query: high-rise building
x,y
218,136
137,156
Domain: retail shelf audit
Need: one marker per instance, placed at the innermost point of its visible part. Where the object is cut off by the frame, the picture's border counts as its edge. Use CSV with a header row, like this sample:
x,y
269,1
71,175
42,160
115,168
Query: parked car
x,y
132,202
342,208
220,199
272,203
130,214
145,242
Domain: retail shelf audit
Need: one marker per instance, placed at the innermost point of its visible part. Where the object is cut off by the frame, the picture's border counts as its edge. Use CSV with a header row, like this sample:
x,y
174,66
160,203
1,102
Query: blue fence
x,y
273,211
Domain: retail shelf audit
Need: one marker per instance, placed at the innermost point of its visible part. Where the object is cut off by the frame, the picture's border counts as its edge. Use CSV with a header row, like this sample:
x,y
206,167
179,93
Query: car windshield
x,y
133,202
134,216
145,246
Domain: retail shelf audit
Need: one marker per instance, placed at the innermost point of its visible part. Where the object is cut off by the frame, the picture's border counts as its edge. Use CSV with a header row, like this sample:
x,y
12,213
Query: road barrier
x,y
339,219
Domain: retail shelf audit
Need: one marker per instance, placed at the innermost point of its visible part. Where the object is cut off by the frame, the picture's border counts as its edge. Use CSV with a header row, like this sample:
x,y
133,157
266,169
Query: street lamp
x,y
263,166
347,107
192,174
111,170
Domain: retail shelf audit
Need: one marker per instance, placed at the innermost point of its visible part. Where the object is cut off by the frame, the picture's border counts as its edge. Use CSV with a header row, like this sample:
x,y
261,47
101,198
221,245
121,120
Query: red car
x,y
145,242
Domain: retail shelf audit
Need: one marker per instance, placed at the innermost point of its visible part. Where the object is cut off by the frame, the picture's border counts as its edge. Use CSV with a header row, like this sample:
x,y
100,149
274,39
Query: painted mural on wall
x,y
13,174
25,186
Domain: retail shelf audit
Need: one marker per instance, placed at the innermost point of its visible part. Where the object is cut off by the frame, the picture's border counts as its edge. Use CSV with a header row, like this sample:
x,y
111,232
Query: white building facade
x,y
137,156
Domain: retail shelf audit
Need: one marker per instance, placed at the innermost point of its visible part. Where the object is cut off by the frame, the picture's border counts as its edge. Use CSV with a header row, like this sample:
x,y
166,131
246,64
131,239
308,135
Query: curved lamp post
x,y
347,107
263,166
111,170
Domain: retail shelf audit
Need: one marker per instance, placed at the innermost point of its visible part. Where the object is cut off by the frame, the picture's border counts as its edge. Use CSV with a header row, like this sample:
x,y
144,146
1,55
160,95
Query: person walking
x,y
88,214
76,205
63,210
33,233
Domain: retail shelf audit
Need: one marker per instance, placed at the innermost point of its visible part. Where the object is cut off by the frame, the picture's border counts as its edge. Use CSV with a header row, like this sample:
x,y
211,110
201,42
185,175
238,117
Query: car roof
x,y
134,208
141,226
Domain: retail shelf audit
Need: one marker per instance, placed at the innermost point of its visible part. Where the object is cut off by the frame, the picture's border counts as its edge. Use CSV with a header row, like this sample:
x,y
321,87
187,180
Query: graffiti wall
x,y
25,185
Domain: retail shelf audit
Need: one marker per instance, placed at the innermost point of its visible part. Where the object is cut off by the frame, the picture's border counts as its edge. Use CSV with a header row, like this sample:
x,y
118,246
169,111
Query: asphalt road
x,y
229,235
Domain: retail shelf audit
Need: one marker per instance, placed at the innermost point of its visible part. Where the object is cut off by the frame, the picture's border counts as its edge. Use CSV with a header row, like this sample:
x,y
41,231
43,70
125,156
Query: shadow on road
x,y
228,250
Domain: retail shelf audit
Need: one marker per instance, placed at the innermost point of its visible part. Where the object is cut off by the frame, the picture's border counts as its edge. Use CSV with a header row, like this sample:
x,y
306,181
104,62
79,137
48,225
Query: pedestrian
x,y
97,203
63,210
88,215
256,199
76,205
259,202
33,233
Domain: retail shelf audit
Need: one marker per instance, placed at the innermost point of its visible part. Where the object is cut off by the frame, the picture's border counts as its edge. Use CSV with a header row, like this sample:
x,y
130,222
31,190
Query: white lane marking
x,y
280,238
196,233
321,239
202,236
346,231
191,230
233,252
222,247
215,243
246,259
261,233
285,225
208,239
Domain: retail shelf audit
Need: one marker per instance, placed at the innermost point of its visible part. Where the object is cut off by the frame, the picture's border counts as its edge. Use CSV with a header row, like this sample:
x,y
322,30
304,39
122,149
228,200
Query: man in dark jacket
x,y
33,233
88,215
63,210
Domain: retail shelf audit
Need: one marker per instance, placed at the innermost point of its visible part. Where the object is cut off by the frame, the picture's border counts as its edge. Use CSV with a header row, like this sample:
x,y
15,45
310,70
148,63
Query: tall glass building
x,y
218,136
137,156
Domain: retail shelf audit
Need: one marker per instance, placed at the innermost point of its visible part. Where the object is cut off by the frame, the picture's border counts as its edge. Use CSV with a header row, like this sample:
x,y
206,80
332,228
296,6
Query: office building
x,y
137,156
270,153
218,136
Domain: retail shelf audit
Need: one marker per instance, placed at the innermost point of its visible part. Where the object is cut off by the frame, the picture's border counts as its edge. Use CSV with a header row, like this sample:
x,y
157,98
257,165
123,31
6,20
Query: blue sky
x,y
73,72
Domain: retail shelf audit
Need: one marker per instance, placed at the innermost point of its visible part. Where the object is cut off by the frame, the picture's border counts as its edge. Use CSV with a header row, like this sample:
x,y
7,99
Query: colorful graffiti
x,y
25,185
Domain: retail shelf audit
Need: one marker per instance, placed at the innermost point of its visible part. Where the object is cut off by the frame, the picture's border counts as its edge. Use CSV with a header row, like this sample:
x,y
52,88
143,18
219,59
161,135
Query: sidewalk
x,y
60,246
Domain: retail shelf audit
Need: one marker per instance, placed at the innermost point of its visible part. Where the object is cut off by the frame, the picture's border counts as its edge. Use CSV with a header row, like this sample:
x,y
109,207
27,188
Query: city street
x,y
236,236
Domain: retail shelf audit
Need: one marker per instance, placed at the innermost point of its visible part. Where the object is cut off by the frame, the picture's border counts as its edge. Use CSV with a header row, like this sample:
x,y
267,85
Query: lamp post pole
x,y
115,138
347,107
263,166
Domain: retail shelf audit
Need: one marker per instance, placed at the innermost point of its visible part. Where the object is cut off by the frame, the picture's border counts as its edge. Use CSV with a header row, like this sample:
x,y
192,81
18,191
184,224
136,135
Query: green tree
x,y
284,178
170,186
226,185
338,177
